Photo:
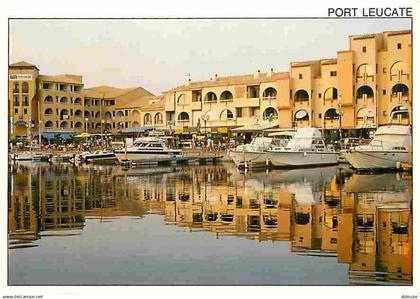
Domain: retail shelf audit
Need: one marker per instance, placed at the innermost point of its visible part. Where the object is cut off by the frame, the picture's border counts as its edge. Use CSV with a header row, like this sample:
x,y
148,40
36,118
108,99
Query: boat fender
x,y
304,154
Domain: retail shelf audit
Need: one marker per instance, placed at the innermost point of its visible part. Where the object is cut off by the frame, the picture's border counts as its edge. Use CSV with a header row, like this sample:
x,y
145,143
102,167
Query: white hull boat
x,y
100,156
302,158
306,148
255,153
389,149
148,148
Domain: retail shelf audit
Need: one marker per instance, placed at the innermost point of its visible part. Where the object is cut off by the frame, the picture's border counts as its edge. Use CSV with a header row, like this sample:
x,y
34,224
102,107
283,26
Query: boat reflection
x,y
364,221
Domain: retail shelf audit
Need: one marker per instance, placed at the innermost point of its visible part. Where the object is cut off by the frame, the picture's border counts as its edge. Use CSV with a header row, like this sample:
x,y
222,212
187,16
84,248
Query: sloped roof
x,y
23,64
62,78
105,91
133,98
232,80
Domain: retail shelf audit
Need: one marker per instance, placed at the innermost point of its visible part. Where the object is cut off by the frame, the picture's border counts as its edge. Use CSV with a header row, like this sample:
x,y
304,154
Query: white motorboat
x,y
389,149
99,156
253,154
22,156
306,148
146,148
39,156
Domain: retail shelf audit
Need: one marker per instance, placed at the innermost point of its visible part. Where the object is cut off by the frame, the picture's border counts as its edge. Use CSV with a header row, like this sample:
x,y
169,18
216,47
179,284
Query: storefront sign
x,y
20,77
179,130
222,130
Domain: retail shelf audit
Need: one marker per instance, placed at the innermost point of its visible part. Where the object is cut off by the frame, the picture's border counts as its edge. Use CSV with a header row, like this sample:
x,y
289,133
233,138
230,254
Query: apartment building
x,y
363,87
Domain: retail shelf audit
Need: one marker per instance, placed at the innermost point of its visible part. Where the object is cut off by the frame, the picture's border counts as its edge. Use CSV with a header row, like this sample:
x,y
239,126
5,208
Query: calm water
x,y
209,224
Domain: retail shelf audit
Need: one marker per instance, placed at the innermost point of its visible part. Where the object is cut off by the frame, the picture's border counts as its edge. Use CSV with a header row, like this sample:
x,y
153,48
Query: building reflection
x,y
362,221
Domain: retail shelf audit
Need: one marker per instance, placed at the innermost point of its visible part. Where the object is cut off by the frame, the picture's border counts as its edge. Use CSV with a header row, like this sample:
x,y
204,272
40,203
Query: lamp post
x,y
86,124
205,118
102,130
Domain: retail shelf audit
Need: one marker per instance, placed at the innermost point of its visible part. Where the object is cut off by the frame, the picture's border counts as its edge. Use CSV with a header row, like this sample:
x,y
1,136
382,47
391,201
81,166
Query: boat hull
x,y
367,160
301,159
100,158
251,159
22,156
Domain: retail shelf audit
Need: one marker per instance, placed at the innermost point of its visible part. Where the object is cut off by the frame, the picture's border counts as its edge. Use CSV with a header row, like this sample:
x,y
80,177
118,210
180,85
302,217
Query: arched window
x,y
331,114
78,113
226,114
400,115
98,114
226,96
364,71
49,124
147,119
364,92
158,118
108,127
270,93
87,102
210,97
64,125
301,95
331,94
64,114
398,70
108,115
87,114
16,88
64,100
25,87
78,125
135,113
365,116
135,124
48,111
78,101
270,113
48,100
183,116
400,88
120,125
98,126
120,113
181,100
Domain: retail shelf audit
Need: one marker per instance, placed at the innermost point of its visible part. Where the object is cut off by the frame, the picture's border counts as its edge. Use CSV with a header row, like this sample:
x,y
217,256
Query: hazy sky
x,y
159,54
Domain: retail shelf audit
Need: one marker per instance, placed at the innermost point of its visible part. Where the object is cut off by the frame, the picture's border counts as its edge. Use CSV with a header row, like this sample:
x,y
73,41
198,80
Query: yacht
x,y
146,148
253,154
22,156
388,149
99,156
306,148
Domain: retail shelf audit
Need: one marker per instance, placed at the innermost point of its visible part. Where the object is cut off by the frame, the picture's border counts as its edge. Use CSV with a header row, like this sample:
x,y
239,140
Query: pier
x,y
189,159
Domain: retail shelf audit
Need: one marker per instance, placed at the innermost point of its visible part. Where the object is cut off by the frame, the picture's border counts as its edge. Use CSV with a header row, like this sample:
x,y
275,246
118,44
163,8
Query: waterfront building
x,y
365,86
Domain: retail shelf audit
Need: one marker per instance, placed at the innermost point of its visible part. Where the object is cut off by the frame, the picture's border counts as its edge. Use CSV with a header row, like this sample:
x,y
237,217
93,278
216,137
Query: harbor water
x,y
207,225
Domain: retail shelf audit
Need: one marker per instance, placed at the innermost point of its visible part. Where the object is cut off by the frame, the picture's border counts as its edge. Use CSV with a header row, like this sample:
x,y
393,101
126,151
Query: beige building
x,y
365,86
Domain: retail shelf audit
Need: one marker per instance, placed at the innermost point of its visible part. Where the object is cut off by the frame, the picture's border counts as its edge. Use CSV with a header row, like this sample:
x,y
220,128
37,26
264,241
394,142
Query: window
x,y
25,101
238,112
319,115
16,101
384,70
319,95
16,110
384,91
399,46
25,111
300,76
333,73
46,86
364,49
384,113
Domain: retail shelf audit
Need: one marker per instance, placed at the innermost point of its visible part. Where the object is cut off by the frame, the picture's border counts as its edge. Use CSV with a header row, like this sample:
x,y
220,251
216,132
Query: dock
x,y
190,159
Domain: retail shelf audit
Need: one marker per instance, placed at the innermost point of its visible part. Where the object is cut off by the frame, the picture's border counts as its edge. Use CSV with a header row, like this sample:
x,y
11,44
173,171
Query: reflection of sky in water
x,y
112,226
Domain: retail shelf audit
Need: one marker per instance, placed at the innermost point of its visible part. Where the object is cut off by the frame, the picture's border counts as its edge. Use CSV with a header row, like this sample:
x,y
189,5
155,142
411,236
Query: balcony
x,y
331,123
246,102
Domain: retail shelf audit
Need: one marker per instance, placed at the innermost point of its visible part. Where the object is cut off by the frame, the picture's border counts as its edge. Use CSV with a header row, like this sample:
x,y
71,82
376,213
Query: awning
x,y
301,114
253,128
137,130
57,134
20,122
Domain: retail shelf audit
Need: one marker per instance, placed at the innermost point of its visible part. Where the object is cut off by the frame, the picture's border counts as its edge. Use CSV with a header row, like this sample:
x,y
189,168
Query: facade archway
x,y
158,118
400,88
48,111
135,124
270,113
226,96
270,93
210,97
48,100
64,125
147,119
331,94
301,95
64,100
135,113
78,113
226,114
183,116
48,124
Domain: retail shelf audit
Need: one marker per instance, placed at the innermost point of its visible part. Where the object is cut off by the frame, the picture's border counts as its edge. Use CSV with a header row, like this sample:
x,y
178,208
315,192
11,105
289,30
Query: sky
x,y
159,54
